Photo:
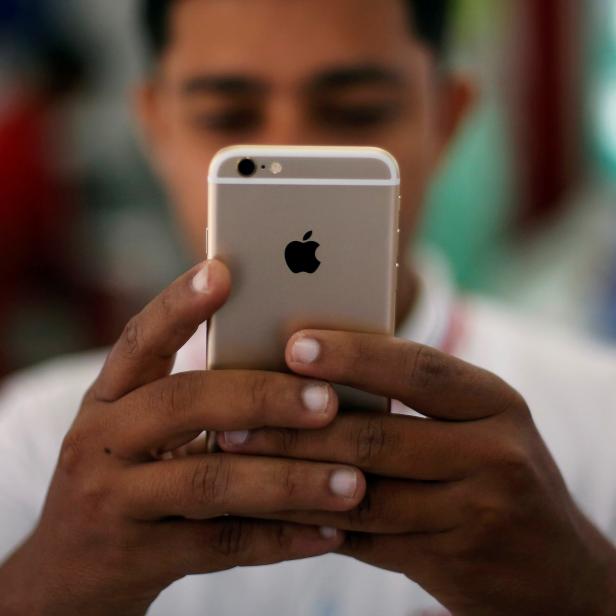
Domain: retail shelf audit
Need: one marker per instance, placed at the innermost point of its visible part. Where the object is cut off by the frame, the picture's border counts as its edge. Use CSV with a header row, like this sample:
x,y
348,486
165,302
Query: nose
x,y
286,123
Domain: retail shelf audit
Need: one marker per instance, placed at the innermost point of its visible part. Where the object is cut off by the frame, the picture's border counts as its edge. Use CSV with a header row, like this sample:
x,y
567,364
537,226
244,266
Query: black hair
x,y
429,18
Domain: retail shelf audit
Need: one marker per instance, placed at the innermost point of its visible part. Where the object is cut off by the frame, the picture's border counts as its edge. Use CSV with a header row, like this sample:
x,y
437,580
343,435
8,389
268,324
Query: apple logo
x,y
301,256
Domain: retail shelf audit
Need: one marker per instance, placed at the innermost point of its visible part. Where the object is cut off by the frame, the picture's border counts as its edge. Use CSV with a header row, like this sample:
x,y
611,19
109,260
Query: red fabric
x,y
35,215
456,329
32,198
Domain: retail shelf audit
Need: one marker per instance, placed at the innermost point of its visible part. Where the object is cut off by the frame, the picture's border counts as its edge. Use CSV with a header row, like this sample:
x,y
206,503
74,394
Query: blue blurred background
x,y
524,209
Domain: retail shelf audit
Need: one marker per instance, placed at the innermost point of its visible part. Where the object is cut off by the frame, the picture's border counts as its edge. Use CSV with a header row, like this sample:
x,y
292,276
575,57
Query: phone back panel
x,y
344,200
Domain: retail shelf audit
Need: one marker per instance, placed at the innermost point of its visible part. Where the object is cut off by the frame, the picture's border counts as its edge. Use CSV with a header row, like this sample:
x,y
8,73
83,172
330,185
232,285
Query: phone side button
x,y
207,241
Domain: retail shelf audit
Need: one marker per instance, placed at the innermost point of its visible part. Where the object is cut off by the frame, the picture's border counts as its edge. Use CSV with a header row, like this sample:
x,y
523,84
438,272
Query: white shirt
x,y
569,384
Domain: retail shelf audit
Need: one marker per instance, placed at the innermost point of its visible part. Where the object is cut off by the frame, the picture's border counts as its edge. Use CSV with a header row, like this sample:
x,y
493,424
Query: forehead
x,y
285,38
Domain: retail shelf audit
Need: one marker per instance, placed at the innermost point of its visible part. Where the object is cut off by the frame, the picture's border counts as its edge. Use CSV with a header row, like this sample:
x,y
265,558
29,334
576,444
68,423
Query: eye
x,y
228,120
357,115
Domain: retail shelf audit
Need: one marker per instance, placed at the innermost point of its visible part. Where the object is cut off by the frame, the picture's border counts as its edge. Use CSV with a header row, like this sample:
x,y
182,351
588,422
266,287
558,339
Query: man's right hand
x,y
123,519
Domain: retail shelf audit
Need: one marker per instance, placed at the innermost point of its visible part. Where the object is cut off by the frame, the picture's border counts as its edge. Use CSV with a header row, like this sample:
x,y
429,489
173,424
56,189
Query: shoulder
x,y
533,353
59,379
38,405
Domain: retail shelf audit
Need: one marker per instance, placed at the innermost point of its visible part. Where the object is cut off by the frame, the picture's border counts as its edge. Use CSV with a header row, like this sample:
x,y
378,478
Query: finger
x,y
147,346
431,382
391,507
202,487
171,412
387,445
411,553
201,547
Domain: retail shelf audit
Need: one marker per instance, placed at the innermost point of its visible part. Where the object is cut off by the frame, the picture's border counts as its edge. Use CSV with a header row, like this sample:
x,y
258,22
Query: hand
x,y
120,523
467,502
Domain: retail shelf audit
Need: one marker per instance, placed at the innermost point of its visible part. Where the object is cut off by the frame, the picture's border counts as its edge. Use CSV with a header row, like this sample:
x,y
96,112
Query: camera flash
x,y
276,168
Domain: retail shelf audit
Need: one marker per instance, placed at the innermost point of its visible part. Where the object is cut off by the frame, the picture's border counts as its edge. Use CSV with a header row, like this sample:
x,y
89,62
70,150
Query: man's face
x,y
301,72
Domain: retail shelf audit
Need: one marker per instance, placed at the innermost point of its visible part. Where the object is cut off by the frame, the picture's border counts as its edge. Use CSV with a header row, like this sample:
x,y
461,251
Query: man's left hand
x,y
466,500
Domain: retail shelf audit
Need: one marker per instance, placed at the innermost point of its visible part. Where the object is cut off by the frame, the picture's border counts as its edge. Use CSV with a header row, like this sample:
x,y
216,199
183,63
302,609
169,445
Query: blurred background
x,y
524,209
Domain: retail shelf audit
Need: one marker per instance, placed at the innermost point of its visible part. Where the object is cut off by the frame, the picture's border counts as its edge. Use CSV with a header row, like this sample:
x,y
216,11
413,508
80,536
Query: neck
x,y
408,291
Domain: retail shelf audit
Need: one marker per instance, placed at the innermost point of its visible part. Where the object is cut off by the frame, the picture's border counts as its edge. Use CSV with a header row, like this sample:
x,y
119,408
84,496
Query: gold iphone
x,y
310,235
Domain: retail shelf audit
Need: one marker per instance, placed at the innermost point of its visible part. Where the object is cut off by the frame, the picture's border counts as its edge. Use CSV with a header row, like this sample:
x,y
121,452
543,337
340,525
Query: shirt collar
x,y
432,318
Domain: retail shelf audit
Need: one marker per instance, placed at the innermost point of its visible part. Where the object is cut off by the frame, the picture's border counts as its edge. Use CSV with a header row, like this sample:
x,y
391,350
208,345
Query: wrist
x,y
611,601
600,574
18,594
28,585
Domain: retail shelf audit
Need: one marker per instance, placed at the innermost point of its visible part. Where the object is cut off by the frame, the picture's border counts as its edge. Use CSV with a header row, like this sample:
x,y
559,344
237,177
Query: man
x,y
464,506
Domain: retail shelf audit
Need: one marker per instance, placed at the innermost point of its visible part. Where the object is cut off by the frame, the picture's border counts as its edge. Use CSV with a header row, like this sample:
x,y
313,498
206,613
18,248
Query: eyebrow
x,y
355,76
230,85
332,80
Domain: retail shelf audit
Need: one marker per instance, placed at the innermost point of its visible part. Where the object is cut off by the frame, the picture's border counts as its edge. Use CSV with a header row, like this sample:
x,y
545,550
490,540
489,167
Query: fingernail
x,y
327,532
316,397
237,438
200,282
305,351
343,483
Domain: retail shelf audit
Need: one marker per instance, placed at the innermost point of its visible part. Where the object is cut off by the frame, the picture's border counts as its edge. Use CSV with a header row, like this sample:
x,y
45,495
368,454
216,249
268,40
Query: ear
x,y
458,96
152,129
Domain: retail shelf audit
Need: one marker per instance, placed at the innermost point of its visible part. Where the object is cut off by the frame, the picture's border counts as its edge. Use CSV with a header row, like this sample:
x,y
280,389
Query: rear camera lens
x,y
246,167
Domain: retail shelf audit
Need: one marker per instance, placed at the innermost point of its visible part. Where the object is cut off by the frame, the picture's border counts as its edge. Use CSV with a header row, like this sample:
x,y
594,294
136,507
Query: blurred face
x,y
301,72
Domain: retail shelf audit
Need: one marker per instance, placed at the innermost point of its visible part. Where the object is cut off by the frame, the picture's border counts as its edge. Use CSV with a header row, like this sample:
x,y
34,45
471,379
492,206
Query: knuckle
x,y
72,451
518,406
362,355
514,466
90,488
167,308
509,400
358,356
286,440
167,303
232,538
132,337
425,366
182,332
490,517
500,505
289,478
177,395
370,441
210,481
95,498
259,388
92,397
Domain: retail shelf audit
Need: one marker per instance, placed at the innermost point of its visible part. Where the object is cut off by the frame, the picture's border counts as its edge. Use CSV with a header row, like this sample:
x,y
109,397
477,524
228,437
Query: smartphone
x,y
310,235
